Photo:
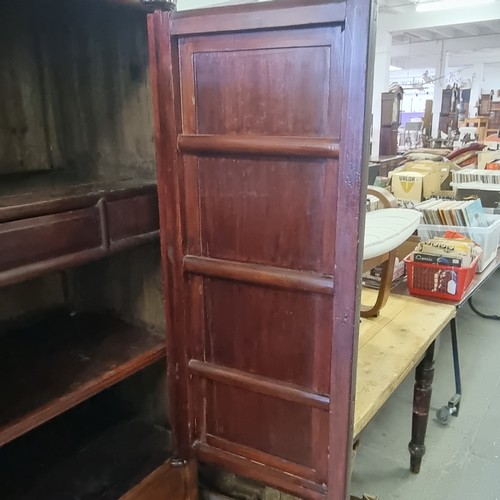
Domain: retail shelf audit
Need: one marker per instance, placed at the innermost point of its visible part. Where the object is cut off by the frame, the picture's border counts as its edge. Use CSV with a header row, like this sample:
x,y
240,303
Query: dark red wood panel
x,y
221,94
231,101
132,217
233,413
259,137
251,200
264,324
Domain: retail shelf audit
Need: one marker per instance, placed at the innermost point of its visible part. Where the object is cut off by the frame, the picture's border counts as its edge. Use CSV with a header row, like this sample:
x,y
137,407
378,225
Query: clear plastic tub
x,y
487,237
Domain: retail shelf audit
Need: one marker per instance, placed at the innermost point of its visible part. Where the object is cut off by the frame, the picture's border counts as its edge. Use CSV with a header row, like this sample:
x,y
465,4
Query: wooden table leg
x,y
421,403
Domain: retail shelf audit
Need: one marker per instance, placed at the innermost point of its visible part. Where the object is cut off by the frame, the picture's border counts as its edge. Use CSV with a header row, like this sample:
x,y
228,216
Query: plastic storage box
x,y
487,237
442,282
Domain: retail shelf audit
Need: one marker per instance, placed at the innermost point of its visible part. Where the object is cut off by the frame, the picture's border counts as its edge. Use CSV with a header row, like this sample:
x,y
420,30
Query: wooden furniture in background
x,y
448,117
381,166
260,127
494,118
427,120
389,123
480,123
485,102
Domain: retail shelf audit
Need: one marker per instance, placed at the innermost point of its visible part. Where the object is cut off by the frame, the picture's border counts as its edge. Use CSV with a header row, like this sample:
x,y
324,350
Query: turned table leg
x,y
421,403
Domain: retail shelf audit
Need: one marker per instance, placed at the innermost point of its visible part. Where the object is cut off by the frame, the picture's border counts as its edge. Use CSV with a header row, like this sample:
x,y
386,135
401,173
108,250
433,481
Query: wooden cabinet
x,y
260,139
82,347
448,118
490,109
389,123
494,118
485,103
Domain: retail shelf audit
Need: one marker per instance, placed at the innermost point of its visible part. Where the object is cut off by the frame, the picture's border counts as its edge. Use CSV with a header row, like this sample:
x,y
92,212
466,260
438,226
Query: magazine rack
x,y
260,126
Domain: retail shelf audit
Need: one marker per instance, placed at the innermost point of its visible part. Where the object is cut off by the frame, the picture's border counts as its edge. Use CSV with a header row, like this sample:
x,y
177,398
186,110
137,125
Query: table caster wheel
x,y
443,414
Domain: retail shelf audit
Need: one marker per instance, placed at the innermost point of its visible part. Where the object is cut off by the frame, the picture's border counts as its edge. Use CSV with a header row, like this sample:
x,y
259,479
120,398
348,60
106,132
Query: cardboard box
x,y
484,157
415,186
417,181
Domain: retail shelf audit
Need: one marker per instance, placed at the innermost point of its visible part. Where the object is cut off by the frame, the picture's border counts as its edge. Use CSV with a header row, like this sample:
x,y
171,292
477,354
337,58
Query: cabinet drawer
x,y
131,217
44,238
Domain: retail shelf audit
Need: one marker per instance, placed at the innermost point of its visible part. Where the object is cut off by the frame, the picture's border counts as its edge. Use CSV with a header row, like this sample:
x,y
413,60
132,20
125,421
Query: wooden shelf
x,y
62,360
49,223
103,466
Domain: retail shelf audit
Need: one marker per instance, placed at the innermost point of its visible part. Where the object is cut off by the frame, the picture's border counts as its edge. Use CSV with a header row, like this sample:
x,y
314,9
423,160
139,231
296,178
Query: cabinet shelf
x,y
62,360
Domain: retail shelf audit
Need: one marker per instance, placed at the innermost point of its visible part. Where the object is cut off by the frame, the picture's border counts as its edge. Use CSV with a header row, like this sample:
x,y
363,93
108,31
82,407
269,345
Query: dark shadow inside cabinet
x,y
82,355
83,410
98,450
75,92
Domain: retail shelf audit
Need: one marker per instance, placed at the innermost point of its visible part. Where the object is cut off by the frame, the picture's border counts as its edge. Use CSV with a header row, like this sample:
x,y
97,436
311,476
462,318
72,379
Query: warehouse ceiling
x,y
446,32
464,34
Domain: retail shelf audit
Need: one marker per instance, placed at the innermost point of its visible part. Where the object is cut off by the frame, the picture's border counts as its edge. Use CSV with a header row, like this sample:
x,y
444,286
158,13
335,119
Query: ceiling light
x,y
449,4
394,68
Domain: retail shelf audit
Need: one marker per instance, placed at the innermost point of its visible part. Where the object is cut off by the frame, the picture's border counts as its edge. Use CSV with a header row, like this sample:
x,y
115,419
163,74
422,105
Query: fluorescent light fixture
x,y
394,68
449,4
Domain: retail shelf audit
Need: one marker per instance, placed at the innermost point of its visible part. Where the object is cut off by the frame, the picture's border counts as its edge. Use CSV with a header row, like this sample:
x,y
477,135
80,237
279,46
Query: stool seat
x,y
387,229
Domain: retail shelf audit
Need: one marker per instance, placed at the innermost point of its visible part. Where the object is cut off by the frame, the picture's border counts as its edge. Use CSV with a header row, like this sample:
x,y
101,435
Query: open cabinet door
x,y
260,136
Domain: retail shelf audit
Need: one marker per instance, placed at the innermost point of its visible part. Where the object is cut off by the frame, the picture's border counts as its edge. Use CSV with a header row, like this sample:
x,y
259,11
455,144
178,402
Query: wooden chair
x,y
384,233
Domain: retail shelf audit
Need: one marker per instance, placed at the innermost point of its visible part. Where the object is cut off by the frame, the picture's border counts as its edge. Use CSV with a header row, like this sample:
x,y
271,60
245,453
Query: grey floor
x,y
463,458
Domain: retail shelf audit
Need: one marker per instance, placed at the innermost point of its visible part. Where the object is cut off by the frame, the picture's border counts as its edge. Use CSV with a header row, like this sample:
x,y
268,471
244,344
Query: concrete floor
x,y
463,458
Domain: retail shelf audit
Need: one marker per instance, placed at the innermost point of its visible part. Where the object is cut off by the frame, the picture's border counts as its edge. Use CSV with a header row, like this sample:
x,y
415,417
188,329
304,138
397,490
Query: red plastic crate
x,y
433,280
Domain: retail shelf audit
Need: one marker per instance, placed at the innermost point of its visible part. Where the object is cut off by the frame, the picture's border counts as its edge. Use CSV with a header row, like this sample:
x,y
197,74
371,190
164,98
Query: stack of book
x,y
476,176
468,213
451,250
443,267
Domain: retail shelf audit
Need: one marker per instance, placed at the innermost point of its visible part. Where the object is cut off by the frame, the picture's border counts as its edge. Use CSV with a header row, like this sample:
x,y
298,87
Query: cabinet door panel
x,y
260,124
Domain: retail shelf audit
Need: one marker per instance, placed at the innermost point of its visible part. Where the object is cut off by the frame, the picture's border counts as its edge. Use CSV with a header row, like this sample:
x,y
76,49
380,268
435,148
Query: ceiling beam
x,y
442,31
450,45
470,59
463,32
422,20
425,35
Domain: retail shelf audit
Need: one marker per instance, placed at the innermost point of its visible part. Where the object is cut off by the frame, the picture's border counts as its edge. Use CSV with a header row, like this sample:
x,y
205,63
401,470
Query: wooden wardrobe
x,y
260,126
389,123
